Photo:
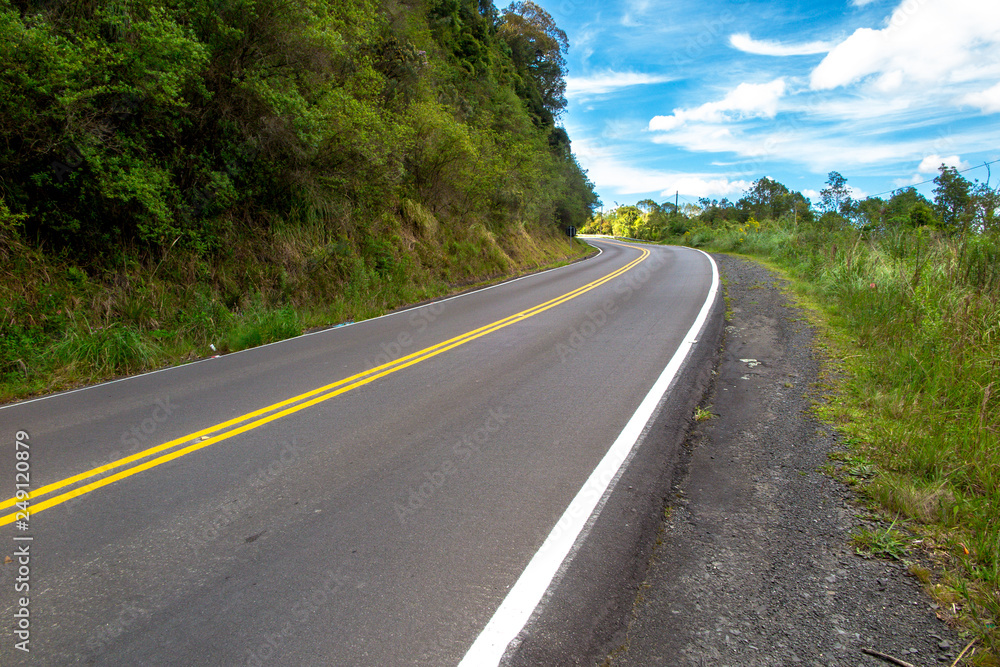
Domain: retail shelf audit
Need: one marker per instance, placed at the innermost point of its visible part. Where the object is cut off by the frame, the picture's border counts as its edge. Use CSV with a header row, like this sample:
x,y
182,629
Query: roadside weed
x,y
909,330
881,543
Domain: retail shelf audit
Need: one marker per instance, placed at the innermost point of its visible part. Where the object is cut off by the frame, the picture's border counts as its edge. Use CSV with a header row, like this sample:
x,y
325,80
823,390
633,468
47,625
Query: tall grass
x,y
112,350
62,324
916,321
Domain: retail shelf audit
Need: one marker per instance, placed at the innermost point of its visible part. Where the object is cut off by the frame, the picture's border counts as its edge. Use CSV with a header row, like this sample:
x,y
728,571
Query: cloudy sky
x,y
705,96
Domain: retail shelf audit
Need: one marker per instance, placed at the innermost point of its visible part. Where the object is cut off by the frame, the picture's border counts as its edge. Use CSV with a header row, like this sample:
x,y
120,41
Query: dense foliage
x,y
167,166
157,122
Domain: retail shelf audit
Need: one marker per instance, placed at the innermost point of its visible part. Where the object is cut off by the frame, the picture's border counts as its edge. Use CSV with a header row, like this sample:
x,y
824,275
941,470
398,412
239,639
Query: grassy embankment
x,y
912,331
168,310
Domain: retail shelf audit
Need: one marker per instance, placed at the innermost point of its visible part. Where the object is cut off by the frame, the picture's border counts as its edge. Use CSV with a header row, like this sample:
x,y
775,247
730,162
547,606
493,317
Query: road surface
x,y
365,495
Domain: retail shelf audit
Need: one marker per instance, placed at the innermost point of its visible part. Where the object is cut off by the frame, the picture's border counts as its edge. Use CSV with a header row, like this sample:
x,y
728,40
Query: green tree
x,y
627,220
921,215
766,199
464,31
835,197
198,124
649,206
537,48
953,200
899,209
799,209
986,207
714,211
868,214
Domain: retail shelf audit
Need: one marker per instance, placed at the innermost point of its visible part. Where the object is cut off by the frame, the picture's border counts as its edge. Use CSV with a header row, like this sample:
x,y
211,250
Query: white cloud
x,y
908,182
743,42
606,82
931,163
861,3
696,185
608,170
888,109
924,41
988,100
747,100
821,148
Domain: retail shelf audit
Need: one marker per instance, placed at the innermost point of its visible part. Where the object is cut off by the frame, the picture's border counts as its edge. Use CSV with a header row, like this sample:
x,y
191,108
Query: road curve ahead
x,y
375,494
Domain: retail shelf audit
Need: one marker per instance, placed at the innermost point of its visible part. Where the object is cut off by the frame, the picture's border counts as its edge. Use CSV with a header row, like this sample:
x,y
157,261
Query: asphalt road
x,y
365,495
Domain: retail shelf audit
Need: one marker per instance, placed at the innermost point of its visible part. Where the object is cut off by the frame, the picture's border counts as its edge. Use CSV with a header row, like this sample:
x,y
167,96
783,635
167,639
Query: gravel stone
x,y
755,564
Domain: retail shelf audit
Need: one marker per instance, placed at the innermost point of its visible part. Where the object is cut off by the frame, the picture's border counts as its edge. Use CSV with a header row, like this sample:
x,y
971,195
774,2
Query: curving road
x,y
398,491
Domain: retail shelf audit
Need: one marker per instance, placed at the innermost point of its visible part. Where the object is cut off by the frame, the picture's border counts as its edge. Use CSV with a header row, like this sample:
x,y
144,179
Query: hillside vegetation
x,y
176,174
909,291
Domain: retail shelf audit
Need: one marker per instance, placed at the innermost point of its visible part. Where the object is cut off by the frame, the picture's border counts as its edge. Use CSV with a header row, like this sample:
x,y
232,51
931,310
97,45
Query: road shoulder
x,y
754,563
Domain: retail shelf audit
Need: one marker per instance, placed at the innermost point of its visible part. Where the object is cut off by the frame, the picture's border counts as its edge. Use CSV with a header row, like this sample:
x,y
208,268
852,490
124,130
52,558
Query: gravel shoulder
x,y
754,563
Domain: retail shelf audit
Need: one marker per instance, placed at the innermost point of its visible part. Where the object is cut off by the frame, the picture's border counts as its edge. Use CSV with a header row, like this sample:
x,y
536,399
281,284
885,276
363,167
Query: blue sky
x,y
706,96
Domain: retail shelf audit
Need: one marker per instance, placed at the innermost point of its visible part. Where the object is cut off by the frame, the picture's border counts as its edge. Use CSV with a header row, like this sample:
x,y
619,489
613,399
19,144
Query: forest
x,y
184,175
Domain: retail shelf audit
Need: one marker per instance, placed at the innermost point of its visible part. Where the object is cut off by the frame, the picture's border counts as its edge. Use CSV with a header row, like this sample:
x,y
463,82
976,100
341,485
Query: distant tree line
x,y
959,206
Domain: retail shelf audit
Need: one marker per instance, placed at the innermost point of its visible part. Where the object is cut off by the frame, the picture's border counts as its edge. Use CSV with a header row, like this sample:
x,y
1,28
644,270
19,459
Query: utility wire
x,y
931,180
693,200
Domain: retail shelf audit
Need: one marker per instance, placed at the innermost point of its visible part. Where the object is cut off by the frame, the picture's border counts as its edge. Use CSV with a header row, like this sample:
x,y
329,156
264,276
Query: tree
x,y
648,206
713,210
836,197
899,210
537,46
627,221
986,207
799,208
921,215
869,214
953,200
766,199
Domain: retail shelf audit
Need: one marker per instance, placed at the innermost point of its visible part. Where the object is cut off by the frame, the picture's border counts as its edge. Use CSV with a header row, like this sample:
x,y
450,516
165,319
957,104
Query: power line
x,y
913,185
694,200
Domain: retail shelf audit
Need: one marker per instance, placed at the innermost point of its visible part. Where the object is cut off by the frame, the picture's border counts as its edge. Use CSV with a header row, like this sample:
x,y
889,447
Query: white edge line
x,y
285,340
522,599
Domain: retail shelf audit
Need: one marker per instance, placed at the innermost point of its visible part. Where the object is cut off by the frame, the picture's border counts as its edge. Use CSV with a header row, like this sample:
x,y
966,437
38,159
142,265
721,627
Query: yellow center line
x,y
237,420
315,397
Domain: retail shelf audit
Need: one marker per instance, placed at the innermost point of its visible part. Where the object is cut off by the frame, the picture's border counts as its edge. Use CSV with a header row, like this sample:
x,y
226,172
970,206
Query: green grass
x,y
881,543
703,414
911,324
262,325
62,326
112,350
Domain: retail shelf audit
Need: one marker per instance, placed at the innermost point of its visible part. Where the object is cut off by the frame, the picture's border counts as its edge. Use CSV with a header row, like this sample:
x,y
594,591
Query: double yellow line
x,y
251,420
